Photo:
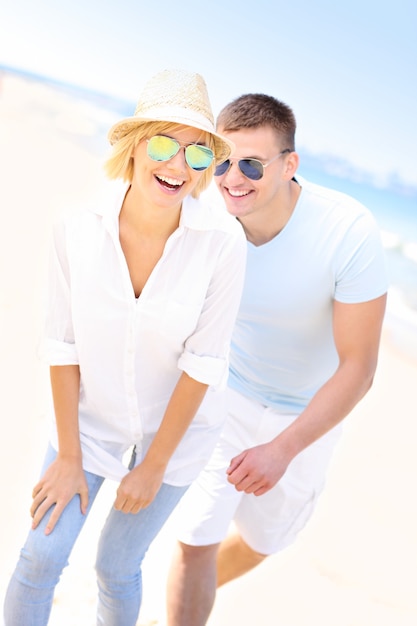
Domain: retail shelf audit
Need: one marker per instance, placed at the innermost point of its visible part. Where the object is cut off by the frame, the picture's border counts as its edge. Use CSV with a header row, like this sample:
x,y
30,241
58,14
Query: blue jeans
x,y
123,544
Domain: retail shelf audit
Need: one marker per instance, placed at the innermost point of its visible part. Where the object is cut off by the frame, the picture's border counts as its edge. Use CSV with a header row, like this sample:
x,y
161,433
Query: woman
x,y
144,289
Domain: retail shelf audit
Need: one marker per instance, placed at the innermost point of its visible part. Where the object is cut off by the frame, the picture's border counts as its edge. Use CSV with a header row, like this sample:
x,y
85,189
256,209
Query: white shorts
x,y
267,523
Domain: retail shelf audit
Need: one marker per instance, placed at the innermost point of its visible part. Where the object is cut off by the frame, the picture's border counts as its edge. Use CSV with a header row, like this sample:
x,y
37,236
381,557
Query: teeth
x,y
170,181
238,193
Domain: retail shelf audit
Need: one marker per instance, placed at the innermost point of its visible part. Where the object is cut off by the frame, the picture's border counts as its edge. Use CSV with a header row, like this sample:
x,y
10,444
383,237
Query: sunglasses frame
x,y
261,170
205,149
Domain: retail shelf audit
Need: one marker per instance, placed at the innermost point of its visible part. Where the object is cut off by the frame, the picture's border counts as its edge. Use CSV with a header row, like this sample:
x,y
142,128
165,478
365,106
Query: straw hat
x,y
179,97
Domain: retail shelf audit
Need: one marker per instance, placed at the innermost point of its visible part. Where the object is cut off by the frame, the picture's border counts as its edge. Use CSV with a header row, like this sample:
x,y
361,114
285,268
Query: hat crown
x,y
175,89
177,97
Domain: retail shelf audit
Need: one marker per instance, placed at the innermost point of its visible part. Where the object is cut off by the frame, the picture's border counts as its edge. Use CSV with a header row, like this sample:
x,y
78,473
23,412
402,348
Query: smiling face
x,y
167,183
245,197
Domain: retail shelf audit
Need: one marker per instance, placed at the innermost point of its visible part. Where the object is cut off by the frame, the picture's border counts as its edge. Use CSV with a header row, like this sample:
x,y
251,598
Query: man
x,y
304,352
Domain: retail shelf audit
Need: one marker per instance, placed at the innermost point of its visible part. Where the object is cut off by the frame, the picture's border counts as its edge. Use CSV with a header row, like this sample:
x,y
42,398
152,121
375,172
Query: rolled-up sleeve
x,y
209,370
58,345
59,352
206,353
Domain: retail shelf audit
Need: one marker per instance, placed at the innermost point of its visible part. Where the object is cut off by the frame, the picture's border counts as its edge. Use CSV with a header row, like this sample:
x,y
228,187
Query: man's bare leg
x,y
235,558
191,585
195,573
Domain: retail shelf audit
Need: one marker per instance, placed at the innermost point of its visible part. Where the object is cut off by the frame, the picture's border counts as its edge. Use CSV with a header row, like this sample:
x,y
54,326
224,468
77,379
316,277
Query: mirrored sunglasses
x,y
251,168
162,148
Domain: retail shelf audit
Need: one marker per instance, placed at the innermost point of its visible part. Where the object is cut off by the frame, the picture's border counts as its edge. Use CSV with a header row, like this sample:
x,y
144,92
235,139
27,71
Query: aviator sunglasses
x,y
162,148
251,168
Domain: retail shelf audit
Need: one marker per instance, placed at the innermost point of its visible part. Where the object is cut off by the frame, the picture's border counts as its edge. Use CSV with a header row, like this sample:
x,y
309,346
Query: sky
x,y
348,69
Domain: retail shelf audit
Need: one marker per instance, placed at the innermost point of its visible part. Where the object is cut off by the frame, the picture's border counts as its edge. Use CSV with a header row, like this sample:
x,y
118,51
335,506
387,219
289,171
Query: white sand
x,y
356,562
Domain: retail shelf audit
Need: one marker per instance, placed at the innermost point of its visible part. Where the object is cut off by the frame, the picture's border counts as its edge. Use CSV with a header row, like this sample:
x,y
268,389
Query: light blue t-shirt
x,y
282,348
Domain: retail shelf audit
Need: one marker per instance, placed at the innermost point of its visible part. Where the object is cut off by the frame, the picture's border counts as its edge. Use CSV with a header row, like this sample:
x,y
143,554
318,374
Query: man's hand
x,y
62,480
257,469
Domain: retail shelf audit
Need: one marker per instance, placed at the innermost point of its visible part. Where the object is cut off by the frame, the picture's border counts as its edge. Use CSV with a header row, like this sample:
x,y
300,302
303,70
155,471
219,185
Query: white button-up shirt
x,y
132,351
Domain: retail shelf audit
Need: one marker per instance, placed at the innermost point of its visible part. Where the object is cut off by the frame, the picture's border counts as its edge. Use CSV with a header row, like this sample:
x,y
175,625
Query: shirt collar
x,y
196,214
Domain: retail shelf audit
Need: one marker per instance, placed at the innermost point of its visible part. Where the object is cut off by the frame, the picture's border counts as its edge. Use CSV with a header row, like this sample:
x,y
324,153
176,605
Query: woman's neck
x,y
146,219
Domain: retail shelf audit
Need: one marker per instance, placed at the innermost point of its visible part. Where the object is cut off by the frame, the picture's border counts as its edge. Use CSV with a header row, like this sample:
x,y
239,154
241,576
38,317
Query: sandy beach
x,y
355,564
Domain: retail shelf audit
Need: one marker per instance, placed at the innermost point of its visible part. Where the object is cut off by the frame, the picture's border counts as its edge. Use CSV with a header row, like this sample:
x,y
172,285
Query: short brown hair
x,y
257,109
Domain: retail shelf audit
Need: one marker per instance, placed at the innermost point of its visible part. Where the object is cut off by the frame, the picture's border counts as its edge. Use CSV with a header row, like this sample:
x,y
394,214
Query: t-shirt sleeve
x,y
360,270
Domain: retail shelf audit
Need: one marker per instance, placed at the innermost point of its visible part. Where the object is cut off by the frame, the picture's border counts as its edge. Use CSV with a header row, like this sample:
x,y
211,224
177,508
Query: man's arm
x,y
357,332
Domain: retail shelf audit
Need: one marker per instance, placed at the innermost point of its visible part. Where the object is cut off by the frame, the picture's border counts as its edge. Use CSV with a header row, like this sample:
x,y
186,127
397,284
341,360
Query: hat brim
x,y
223,147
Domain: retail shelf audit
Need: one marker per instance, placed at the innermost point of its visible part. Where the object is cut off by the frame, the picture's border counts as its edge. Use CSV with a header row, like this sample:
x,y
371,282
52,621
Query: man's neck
x,y
262,226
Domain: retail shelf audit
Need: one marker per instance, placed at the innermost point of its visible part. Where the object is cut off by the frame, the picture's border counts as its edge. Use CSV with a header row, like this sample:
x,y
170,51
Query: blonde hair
x,y
120,162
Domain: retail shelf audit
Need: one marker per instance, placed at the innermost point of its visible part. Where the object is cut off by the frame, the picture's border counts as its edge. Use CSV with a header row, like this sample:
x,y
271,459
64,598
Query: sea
x,y
85,116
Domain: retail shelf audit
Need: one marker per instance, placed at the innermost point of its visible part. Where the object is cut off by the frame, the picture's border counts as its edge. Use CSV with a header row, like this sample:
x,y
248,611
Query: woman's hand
x,y
63,479
138,488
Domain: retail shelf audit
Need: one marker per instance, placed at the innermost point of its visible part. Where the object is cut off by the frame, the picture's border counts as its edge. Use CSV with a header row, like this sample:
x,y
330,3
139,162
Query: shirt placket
x,y
132,404
130,378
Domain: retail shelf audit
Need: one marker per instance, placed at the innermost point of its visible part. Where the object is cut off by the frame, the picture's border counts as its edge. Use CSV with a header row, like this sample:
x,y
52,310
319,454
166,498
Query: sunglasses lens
x,y
222,168
162,148
251,168
199,158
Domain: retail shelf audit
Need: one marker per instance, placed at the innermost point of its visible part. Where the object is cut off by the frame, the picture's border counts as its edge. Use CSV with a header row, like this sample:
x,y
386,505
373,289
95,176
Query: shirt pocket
x,y
180,320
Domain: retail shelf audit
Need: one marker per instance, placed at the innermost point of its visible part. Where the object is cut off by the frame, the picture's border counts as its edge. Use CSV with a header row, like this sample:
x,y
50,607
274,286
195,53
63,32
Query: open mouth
x,y
170,183
238,193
